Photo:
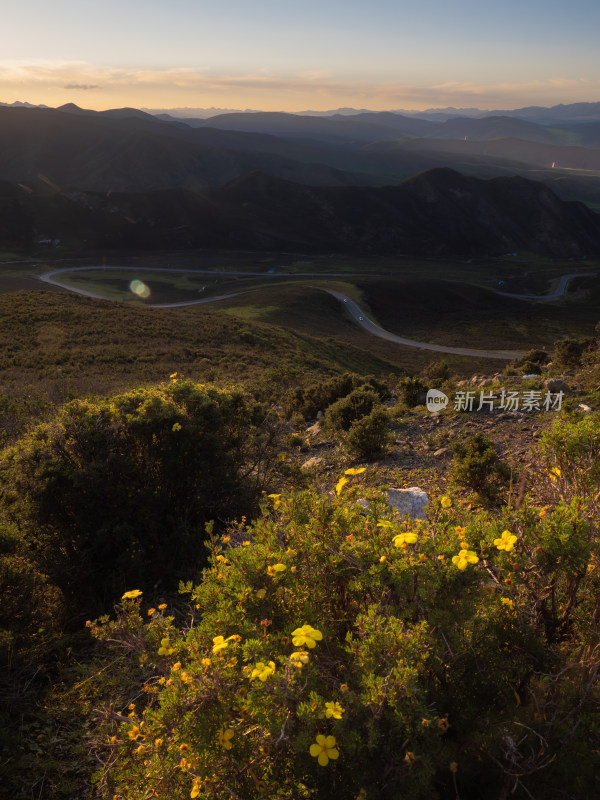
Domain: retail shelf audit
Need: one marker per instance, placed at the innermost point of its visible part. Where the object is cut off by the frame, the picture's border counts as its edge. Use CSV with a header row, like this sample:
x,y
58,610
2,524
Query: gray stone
x,y
443,452
312,463
556,385
411,502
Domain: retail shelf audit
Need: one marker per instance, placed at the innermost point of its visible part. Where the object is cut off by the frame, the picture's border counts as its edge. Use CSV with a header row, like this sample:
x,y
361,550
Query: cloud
x,y
84,86
263,88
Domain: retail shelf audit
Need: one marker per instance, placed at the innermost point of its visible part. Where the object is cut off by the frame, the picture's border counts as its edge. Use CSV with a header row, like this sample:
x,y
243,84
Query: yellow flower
x,y
195,788
158,743
405,538
340,485
176,666
219,643
554,473
151,612
355,471
459,530
299,659
162,606
506,541
134,733
276,498
384,523
507,602
174,375
334,710
176,427
165,647
131,595
273,570
324,749
262,671
410,758
306,635
446,502
464,558
224,736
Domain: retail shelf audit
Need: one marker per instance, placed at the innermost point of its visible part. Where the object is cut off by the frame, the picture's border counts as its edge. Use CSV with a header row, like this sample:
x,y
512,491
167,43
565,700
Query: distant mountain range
x,y
272,180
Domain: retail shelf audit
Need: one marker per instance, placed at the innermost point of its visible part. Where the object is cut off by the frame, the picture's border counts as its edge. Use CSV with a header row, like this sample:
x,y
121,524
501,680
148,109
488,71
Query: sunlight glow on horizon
x,y
280,56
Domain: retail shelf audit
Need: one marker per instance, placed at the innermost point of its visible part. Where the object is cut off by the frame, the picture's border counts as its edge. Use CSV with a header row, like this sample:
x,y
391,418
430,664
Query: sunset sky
x,y
289,56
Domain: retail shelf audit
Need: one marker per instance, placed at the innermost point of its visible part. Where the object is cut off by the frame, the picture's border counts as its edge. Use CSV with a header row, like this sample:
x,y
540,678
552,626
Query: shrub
x,y
341,414
443,657
369,435
571,451
477,466
409,391
117,492
568,352
436,372
318,396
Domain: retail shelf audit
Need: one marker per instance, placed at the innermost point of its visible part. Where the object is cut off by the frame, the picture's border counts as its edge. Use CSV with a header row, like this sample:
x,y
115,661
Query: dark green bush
x,y
369,435
341,414
568,352
436,373
409,390
318,396
477,466
116,492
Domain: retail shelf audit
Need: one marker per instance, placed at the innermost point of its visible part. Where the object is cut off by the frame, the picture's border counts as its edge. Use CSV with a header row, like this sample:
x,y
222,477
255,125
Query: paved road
x,y
560,289
376,330
353,309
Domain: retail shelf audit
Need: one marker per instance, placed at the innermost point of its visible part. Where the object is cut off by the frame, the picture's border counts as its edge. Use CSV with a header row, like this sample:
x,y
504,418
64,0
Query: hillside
x,y
439,212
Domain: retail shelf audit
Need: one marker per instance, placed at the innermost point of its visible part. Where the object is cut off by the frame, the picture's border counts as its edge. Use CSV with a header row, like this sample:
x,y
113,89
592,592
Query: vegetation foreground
x,y
330,647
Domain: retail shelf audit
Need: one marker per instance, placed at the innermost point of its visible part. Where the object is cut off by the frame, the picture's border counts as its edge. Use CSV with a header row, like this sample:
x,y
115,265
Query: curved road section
x,y
355,311
353,308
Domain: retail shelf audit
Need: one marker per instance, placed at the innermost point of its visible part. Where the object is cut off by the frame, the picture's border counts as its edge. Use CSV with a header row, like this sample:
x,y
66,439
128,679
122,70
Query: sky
x,y
292,56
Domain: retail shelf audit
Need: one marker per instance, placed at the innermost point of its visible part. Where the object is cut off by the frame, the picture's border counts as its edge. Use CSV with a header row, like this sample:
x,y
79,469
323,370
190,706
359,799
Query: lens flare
x,y
139,288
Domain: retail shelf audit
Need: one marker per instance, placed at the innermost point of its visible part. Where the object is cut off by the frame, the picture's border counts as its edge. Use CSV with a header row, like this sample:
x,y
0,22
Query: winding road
x,y
353,308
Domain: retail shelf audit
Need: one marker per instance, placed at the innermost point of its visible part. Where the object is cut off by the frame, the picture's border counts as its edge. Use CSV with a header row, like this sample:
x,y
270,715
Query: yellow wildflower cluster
x,y
224,737
299,659
165,648
274,569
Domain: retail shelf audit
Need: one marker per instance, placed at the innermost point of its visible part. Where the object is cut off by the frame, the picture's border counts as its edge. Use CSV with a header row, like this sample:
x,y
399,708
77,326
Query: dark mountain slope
x,y
95,152
438,213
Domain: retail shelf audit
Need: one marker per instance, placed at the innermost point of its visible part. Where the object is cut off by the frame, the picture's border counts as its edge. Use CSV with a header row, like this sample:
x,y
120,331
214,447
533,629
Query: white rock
x,y
411,502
